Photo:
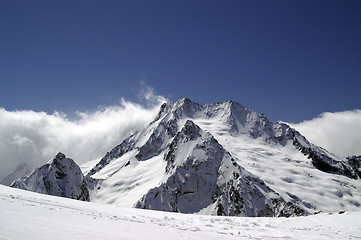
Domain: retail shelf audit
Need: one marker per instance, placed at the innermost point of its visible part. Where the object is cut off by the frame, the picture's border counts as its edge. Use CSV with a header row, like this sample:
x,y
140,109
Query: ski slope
x,y
28,215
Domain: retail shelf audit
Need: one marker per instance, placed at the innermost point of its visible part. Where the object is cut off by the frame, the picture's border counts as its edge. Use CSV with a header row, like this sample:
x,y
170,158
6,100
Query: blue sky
x,y
290,59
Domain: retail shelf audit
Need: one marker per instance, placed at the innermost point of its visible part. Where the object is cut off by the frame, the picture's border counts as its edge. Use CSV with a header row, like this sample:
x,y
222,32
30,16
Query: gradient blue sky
x,y
290,59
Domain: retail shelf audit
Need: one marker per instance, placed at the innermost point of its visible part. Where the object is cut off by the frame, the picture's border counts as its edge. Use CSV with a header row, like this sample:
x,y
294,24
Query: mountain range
x,y
213,159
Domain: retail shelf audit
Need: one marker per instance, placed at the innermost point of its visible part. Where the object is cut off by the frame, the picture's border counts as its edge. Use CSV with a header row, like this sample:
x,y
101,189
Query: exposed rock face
x,y
61,177
355,162
320,158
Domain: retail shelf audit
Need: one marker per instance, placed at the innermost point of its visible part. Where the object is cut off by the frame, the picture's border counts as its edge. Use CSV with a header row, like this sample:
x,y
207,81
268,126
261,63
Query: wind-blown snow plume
x,y
339,132
32,138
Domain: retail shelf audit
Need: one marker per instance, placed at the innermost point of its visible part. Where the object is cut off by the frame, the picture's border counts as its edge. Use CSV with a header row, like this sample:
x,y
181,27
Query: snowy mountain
x,y
203,177
61,177
220,159
224,159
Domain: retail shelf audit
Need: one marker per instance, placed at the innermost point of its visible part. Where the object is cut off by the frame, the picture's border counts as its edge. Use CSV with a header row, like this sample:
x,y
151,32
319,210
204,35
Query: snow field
x,y
125,180
27,215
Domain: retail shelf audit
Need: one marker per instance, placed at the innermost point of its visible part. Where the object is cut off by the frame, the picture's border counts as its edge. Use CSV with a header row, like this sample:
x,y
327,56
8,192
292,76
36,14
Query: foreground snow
x,y
28,215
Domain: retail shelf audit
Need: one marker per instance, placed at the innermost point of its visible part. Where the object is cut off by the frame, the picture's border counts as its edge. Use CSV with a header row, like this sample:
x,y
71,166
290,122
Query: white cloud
x,y
35,137
339,132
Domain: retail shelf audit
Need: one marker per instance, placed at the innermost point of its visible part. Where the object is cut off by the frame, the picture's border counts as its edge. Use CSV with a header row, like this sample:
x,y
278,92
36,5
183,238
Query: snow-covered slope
x,y
223,158
29,216
61,177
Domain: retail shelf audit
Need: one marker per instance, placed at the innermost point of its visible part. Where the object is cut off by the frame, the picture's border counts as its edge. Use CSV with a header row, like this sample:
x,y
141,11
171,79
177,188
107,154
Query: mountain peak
x,y
180,108
184,100
190,129
186,108
61,176
60,156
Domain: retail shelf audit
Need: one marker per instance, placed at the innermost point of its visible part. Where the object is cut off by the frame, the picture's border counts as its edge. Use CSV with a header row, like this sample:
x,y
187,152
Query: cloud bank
x,y
339,133
32,138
